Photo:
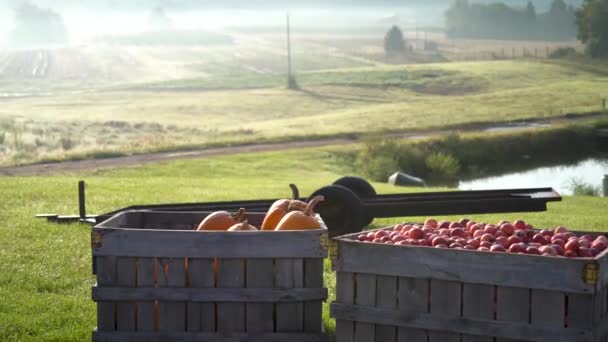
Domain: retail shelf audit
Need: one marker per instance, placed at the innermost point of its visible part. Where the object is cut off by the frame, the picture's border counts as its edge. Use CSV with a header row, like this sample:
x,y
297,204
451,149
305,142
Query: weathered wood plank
x,y
145,309
172,315
512,305
106,276
438,322
548,308
599,304
445,300
260,274
580,311
201,316
413,296
126,277
365,295
207,337
313,311
193,244
561,274
386,297
260,295
345,294
231,274
289,273
477,302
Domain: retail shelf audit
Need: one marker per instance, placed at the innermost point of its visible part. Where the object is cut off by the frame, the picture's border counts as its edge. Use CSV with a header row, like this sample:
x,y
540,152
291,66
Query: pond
x,y
590,171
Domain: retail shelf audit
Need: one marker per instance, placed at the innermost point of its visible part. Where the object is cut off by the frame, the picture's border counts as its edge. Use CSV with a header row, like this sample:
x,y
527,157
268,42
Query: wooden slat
x,y
386,297
207,337
365,295
313,309
106,276
512,305
547,308
413,296
126,277
210,294
201,316
145,309
438,322
172,315
445,300
289,273
260,315
580,311
345,294
231,274
193,244
562,274
477,303
599,305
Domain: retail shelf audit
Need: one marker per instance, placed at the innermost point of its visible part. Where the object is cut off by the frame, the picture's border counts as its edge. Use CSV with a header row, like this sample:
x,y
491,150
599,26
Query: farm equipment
x,y
351,203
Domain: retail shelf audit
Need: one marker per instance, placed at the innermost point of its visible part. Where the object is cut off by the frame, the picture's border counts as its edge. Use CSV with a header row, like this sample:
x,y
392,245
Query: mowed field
x,y
45,274
108,100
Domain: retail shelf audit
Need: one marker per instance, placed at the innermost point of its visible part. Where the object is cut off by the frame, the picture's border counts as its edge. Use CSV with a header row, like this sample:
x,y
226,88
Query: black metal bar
x,y
82,210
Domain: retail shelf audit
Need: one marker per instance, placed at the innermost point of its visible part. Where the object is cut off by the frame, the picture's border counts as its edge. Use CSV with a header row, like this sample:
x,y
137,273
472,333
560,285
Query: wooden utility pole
x,y
291,80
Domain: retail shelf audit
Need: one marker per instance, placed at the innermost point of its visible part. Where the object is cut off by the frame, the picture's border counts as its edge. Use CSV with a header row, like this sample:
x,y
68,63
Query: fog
x,y
83,25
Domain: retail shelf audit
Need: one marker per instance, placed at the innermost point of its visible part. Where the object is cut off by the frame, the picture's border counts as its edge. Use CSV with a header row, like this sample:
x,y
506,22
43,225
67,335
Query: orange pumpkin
x,y
242,227
222,220
298,220
281,207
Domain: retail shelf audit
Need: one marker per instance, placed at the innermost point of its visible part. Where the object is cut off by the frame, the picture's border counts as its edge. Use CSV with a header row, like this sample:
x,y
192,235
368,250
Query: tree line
x,y
499,21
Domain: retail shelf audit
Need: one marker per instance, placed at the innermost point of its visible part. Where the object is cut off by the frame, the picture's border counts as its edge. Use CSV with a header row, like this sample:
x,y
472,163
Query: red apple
x,y
516,248
585,252
532,250
486,244
572,245
520,224
483,249
497,249
488,237
513,239
503,241
443,224
560,230
571,254
490,229
507,228
440,240
416,233
455,225
431,223
538,238
362,237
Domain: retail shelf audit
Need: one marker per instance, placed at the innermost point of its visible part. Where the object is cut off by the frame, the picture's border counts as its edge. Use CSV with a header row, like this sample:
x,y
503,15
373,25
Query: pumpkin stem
x,y
240,215
295,193
245,225
312,204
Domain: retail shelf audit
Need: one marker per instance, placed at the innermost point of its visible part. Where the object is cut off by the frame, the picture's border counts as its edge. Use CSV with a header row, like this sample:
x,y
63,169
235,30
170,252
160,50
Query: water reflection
x,y
590,171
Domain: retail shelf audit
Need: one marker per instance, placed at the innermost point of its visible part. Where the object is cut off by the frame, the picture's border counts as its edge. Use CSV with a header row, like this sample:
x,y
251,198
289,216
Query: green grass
x,y
333,102
45,273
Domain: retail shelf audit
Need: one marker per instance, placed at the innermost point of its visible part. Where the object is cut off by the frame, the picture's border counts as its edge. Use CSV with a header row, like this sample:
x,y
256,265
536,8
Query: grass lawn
x,y
45,274
360,100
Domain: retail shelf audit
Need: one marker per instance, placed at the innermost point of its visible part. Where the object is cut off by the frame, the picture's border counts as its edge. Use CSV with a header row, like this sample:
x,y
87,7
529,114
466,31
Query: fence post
x,y
605,185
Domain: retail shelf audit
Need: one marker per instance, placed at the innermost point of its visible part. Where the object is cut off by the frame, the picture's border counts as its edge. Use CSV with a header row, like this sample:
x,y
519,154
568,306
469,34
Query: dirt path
x,y
147,158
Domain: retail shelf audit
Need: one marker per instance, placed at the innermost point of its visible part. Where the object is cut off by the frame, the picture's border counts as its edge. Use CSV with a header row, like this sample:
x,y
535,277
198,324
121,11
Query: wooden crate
x,y
423,294
159,280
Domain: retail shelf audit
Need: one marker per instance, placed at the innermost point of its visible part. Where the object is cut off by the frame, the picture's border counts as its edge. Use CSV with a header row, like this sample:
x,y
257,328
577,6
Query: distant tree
x,y
530,19
37,26
558,7
593,27
457,21
393,41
